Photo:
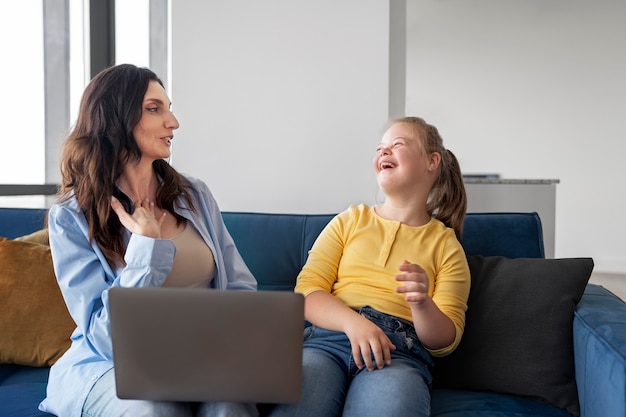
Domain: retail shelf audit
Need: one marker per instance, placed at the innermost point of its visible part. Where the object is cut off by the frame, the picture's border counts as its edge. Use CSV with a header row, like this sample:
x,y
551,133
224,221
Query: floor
x,y
616,283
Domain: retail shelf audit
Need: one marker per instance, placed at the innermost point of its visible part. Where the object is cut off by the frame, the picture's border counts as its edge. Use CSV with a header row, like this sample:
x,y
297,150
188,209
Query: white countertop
x,y
480,180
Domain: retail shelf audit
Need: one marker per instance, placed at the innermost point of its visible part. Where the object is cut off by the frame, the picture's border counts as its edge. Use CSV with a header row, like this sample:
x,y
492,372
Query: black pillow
x,y
519,330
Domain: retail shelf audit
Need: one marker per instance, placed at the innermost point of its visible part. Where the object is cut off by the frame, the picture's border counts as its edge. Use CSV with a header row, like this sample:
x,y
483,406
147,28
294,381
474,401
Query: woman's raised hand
x,y
145,220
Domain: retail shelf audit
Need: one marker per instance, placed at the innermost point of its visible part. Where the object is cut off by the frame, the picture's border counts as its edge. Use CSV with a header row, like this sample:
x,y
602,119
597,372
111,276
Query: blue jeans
x,y
333,386
102,401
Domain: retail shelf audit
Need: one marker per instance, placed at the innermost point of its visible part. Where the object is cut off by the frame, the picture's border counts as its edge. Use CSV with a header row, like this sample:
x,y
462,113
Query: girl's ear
x,y
433,161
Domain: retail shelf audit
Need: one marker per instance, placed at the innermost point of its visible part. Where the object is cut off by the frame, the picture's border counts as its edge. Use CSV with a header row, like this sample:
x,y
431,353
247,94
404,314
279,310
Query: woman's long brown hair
x,y
101,144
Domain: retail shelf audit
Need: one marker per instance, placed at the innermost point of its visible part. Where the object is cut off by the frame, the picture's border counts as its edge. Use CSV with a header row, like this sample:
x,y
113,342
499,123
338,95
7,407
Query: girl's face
x,y
400,162
155,129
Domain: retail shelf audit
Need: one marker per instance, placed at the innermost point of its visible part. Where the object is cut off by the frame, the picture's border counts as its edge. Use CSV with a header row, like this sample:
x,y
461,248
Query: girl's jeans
x,y
333,386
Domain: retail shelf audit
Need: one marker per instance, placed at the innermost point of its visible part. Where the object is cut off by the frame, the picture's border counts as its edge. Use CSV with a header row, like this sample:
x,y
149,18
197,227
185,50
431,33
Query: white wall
x,y
281,102
532,89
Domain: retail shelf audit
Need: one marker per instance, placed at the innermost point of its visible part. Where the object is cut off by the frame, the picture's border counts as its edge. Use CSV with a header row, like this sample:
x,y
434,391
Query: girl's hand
x,y
144,220
415,283
368,339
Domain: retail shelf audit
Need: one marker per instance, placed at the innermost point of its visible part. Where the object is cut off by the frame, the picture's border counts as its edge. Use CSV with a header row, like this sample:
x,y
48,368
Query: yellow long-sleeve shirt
x,y
357,255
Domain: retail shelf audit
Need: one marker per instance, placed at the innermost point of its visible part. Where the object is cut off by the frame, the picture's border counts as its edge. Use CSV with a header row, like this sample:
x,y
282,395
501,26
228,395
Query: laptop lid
x,y
183,344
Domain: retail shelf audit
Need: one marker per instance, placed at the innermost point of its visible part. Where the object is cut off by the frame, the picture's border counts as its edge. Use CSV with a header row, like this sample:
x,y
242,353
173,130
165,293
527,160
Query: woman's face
x,y
155,129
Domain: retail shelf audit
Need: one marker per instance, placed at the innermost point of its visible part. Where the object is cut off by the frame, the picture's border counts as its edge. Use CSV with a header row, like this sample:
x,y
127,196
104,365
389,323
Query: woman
x,y
386,286
125,217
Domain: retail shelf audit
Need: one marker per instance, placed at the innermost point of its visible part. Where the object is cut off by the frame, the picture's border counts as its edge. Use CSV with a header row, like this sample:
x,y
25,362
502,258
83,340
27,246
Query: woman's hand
x,y
415,283
368,339
144,220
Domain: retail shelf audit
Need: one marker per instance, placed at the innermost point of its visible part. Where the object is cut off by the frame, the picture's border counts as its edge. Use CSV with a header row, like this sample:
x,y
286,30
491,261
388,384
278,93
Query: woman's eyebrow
x,y
156,100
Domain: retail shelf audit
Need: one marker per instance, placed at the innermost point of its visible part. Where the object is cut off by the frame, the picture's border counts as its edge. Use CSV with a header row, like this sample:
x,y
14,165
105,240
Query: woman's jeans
x,y
333,386
102,401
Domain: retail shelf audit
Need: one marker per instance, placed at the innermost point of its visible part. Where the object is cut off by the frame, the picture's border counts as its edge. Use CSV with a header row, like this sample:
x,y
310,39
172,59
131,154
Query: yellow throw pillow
x,y
35,326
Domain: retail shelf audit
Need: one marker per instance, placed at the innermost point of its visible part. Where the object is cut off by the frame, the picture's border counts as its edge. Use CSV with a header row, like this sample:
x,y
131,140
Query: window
x,y
22,105
49,67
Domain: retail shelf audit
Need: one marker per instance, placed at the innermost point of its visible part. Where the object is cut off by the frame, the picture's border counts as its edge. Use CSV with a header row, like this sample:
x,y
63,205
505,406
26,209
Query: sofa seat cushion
x,y
24,399
460,403
519,330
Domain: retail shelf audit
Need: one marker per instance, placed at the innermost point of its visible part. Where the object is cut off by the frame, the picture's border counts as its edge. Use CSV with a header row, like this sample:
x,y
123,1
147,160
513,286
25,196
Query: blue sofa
x,y
275,247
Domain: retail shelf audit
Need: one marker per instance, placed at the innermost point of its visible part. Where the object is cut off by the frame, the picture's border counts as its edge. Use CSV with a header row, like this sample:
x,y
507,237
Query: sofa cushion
x,y
518,336
34,322
464,403
23,399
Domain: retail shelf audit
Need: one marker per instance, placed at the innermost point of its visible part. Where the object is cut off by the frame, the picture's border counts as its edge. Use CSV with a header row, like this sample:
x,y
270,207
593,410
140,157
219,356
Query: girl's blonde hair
x,y
447,200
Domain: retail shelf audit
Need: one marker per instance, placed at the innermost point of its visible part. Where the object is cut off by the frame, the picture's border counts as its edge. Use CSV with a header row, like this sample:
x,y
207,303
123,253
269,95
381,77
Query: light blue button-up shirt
x,y
85,278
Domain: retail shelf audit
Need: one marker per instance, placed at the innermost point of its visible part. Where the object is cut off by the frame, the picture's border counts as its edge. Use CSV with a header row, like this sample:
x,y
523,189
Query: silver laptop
x,y
179,344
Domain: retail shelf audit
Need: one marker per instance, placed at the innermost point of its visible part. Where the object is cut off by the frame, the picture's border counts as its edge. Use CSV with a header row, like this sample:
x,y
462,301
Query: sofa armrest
x,y
600,353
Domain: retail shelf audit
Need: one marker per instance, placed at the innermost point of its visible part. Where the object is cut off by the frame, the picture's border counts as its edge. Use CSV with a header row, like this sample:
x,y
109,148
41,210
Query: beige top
x,y
194,265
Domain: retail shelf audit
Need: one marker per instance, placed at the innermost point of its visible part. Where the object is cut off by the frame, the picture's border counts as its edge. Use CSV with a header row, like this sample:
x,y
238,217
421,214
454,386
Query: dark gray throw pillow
x,y
518,335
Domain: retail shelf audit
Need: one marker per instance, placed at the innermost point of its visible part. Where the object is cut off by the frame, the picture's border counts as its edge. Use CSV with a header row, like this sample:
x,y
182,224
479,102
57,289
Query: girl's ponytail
x,y
448,200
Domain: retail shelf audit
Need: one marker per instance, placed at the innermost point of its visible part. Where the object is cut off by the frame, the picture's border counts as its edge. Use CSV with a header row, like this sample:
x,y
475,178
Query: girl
x,y
386,286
